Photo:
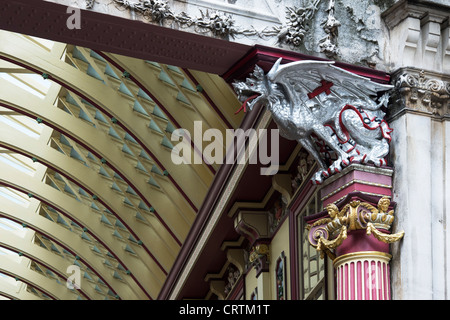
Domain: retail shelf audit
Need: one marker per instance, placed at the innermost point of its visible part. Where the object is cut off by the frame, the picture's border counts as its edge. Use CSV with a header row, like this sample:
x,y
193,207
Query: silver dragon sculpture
x,y
336,115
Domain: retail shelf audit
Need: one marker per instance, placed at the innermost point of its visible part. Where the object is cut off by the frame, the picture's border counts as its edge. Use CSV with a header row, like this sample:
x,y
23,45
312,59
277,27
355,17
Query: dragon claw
x,y
317,178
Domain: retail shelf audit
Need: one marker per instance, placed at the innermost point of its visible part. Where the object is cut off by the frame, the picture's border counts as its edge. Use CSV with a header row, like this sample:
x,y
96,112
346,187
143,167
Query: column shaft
x,y
363,276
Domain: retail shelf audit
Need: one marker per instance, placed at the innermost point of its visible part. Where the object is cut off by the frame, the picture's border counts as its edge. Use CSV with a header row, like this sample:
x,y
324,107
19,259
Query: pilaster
x,y
419,113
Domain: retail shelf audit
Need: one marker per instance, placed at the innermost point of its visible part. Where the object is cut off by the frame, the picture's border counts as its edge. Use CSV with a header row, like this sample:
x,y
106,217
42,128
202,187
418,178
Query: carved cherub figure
x,y
383,205
338,218
384,215
334,213
332,210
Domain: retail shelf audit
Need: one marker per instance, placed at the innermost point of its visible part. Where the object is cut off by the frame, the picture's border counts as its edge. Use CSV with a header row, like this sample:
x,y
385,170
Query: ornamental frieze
x,y
222,24
307,26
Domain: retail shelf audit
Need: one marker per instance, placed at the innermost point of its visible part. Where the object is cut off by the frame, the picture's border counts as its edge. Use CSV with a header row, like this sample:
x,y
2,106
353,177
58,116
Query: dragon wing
x,y
304,82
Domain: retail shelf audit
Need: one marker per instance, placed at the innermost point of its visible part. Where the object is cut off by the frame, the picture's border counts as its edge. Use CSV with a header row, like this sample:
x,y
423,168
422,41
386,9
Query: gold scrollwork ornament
x,y
325,245
349,218
386,238
259,251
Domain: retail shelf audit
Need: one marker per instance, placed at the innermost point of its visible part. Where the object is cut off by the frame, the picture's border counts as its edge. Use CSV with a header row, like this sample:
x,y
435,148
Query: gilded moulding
x,y
363,255
259,251
324,245
259,257
386,238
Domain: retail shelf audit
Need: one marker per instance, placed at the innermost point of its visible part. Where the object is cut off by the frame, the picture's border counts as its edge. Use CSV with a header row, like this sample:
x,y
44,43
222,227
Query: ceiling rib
x,y
71,169
183,118
62,238
39,282
132,77
85,83
16,244
69,207
9,291
61,121
173,199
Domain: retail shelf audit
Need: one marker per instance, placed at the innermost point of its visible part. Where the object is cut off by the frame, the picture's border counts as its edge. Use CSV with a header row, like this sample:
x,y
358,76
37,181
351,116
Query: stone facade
x,y
419,114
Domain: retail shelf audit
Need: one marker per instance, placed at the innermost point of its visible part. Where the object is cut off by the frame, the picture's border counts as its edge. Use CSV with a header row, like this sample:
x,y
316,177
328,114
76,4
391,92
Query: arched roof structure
x,y
86,171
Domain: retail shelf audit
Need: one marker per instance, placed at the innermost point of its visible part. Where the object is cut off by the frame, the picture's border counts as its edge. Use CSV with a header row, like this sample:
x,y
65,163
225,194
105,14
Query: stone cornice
x,y
415,9
419,35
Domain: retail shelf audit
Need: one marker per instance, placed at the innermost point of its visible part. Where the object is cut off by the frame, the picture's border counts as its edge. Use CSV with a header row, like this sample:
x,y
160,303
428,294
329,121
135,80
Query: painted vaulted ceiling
x,y
86,176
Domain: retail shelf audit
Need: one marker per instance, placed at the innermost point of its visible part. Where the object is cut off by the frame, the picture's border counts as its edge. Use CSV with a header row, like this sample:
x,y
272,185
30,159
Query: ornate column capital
x,y
354,230
420,91
328,234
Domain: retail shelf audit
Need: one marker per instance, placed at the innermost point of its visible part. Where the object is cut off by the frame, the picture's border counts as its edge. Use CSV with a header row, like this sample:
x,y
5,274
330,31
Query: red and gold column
x,y
363,276
354,231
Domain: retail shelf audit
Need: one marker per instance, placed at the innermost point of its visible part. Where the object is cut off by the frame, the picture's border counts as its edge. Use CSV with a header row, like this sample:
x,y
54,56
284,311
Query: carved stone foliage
x,y
305,163
420,91
296,26
155,10
291,32
276,213
329,233
224,25
233,275
159,11
328,45
307,26
90,4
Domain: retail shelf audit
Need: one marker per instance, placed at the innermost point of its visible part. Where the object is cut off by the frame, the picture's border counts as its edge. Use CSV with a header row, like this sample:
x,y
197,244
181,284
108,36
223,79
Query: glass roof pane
x,y
18,162
13,196
23,124
45,43
9,225
31,83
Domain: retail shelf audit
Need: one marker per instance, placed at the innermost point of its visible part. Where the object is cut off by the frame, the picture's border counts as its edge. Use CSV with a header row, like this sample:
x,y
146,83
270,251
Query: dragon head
x,y
259,88
253,90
